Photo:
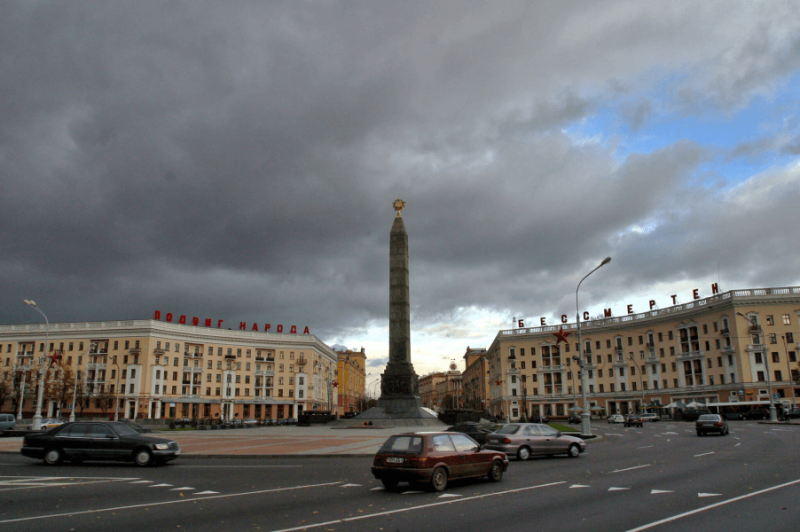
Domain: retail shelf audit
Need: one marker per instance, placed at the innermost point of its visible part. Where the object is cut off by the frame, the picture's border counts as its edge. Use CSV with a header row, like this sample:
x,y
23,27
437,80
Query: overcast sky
x,y
239,160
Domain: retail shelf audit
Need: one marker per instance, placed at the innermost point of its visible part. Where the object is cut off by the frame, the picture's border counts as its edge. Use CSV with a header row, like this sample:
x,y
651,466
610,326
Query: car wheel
x,y
496,471
439,479
53,457
574,451
389,483
523,453
699,432
142,457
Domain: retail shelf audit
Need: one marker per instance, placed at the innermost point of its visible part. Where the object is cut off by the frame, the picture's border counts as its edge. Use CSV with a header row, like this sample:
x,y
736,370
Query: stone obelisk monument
x,y
399,384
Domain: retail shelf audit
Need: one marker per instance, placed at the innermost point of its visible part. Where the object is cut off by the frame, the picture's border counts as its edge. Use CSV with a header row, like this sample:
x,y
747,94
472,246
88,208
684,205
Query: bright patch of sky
x,y
765,125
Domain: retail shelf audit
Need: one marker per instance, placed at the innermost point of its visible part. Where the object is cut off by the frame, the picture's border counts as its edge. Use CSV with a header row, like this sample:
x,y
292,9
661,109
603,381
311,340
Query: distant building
x,y
719,350
428,389
449,389
351,378
475,379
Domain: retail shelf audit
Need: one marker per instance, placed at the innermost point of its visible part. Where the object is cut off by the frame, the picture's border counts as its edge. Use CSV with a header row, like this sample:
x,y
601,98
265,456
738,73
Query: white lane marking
x,y
675,433
630,468
182,489
655,492
712,452
420,507
142,482
412,492
448,496
579,486
735,438
350,486
160,486
709,495
150,505
184,466
618,489
207,493
710,506
378,489
645,447
614,434
12,483
737,445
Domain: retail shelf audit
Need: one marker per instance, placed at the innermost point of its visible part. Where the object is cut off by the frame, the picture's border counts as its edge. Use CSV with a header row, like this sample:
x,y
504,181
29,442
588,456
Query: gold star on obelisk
x,y
398,206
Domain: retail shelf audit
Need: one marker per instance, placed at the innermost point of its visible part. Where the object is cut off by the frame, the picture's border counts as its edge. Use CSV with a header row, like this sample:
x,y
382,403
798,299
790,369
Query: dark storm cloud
x,y
238,161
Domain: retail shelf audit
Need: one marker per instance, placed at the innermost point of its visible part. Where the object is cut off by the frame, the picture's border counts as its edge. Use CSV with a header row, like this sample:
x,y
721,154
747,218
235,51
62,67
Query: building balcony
x,y
756,348
690,355
725,332
135,351
265,373
159,351
619,349
190,396
95,365
301,361
552,367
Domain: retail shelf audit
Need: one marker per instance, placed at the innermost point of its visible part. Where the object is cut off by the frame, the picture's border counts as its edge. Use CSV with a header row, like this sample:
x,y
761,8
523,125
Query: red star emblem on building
x,y
561,336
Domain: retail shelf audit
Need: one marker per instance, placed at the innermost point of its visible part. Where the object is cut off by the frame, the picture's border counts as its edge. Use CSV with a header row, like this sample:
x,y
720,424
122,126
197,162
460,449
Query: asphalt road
x,y
661,477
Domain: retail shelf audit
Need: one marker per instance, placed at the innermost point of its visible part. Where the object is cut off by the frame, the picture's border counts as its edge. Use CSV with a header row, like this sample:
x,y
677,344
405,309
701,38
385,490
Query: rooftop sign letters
x,y
607,311
242,325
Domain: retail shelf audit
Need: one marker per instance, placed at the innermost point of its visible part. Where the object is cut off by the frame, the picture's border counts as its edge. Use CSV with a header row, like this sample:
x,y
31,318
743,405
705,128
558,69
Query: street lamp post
x,y
75,387
789,367
524,418
641,379
116,400
37,417
22,392
586,416
773,414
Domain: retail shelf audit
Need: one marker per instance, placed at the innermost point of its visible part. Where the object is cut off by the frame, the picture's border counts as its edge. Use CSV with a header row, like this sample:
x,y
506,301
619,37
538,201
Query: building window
x,y
760,376
790,338
786,320
770,320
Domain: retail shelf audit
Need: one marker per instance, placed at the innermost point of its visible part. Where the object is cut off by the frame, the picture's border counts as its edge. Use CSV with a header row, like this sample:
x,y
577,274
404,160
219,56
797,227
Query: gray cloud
x,y
239,161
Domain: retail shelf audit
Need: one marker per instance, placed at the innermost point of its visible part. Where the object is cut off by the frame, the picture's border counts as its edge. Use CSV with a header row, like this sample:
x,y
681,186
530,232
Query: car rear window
x,y
508,429
403,444
708,417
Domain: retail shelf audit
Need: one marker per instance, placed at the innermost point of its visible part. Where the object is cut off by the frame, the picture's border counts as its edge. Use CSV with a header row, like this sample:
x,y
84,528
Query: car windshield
x,y
708,417
402,444
122,429
508,429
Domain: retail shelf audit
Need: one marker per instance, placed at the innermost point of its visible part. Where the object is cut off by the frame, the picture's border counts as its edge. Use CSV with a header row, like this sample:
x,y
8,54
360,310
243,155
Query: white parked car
x,y
616,418
649,417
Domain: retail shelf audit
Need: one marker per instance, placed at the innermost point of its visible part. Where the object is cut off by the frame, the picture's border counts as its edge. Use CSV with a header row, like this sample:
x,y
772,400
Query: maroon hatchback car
x,y
433,458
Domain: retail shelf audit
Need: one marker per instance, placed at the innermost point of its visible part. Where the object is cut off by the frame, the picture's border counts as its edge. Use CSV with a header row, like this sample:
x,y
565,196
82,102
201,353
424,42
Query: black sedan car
x,y
106,441
476,431
141,429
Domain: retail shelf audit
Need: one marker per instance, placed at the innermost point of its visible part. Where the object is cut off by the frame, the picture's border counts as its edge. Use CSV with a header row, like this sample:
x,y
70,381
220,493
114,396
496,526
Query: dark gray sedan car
x,y
106,441
526,439
711,423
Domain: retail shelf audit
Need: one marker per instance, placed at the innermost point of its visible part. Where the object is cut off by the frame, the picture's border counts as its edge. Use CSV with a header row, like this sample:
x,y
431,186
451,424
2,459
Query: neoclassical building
x,y
727,349
156,369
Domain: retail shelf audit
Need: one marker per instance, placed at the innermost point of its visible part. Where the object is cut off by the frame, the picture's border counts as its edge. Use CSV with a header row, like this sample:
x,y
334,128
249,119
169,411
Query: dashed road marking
x,y
160,486
448,495
579,486
207,493
618,489
656,492
185,488
350,485
630,468
645,447
712,452
709,495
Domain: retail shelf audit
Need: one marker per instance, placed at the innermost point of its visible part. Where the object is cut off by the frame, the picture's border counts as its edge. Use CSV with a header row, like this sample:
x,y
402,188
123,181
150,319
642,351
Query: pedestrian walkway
x,y
316,440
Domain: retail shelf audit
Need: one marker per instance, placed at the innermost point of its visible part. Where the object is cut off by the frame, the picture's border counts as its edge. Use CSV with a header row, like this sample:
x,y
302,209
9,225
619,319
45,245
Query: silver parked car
x,y
526,439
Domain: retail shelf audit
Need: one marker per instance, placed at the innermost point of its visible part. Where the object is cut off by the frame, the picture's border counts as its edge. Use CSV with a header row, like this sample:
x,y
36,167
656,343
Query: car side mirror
x,y
558,434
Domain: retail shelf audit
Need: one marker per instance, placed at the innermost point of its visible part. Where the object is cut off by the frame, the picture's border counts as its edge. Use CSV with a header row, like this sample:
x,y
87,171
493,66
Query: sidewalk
x,y
316,440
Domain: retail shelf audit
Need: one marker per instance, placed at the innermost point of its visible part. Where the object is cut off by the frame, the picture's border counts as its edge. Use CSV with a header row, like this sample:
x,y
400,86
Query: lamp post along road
x,y
75,386
37,417
641,379
753,327
789,367
116,400
586,415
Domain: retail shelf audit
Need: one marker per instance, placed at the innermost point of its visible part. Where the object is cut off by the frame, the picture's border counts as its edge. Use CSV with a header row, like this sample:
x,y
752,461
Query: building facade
x,y
351,381
728,349
475,379
449,390
429,389
154,369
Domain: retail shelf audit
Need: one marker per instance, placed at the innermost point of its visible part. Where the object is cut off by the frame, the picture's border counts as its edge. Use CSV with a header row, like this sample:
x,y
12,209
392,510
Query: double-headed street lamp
x,y
586,415
773,414
37,417
789,367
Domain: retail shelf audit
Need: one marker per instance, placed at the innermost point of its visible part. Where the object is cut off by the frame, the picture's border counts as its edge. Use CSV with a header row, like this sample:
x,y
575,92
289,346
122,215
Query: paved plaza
x,y
316,440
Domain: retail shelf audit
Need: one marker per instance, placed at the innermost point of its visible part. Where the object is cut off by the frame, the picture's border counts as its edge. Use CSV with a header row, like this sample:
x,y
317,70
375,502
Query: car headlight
x,y
162,446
